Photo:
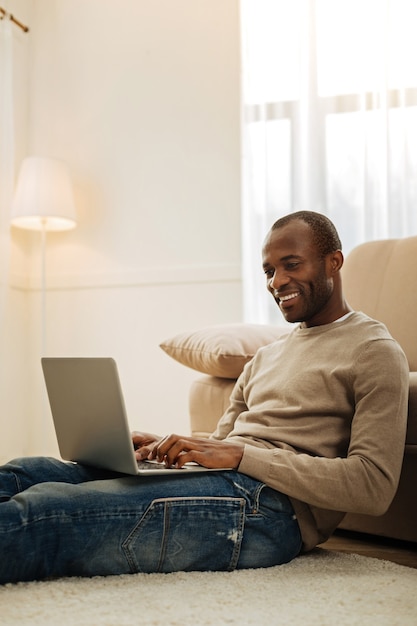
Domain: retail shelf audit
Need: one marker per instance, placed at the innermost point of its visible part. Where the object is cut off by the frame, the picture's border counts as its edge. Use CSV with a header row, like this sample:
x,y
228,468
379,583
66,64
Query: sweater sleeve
x,y
365,480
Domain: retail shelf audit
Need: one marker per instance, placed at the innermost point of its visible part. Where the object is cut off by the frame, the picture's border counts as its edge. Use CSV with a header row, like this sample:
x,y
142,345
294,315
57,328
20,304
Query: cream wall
x,y
141,98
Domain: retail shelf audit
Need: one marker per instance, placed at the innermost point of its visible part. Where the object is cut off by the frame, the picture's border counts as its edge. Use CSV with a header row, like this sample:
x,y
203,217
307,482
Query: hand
x,y
176,450
144,444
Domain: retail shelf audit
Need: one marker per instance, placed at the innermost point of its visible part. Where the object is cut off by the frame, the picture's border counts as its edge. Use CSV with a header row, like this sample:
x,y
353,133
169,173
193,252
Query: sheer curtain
x,y
329,122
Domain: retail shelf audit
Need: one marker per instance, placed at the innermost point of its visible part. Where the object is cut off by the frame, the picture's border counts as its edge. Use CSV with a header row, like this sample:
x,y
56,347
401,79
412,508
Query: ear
x,y
335,262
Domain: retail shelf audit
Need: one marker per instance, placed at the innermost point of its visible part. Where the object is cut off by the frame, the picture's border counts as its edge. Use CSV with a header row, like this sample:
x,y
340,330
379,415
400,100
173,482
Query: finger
x,y
181,451
143,453
192,456
143,439
165,447
143,444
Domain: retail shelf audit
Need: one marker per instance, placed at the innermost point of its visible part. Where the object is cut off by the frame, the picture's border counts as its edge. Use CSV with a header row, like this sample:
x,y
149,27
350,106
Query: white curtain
x,y
329,122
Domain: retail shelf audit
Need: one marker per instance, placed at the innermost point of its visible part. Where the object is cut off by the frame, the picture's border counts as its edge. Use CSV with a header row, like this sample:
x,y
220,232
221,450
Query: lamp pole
x,y
43,287
43,201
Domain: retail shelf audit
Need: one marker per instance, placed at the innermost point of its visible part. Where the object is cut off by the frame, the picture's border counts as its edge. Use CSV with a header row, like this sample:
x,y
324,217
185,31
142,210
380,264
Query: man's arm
x,y
366,479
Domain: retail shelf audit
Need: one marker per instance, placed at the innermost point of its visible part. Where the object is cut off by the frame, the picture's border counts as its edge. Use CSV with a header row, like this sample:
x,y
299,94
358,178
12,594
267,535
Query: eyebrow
x,y
291,256
288,257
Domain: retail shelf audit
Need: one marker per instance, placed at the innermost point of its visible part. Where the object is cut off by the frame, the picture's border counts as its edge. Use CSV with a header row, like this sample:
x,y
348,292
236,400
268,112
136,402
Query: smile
x,y
290,296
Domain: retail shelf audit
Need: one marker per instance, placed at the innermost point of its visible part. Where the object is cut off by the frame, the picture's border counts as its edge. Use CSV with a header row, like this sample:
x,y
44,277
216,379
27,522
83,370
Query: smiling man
x,y
302,259
315,428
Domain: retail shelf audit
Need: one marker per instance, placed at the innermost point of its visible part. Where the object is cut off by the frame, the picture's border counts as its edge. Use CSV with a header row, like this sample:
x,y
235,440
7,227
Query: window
x,y
329,122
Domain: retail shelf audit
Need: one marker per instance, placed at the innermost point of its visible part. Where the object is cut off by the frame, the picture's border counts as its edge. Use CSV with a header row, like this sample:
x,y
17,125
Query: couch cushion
x,y
221,350
208,400
379,278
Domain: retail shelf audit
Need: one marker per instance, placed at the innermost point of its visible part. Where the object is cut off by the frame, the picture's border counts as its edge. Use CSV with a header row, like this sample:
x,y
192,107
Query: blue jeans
x,y
63,519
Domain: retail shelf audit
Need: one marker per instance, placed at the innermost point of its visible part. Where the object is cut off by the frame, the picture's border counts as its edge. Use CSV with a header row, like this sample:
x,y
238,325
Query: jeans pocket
x,y
187,534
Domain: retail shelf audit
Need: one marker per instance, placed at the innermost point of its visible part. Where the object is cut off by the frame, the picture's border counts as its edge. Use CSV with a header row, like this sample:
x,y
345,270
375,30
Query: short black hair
x,y
323,230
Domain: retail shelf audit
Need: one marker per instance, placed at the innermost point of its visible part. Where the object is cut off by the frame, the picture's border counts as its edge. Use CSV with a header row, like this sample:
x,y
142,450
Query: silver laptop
x,y
90,419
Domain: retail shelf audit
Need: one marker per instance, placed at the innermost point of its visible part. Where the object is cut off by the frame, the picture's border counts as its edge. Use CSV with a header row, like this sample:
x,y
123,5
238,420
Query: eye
x,y
292,265
269,273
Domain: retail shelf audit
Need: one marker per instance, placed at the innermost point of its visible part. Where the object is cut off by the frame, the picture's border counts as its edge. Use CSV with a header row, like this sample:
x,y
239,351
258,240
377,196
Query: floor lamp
x,y
43,202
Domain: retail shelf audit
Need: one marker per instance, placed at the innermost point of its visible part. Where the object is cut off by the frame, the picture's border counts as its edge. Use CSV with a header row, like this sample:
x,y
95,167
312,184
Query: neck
x,y
339,314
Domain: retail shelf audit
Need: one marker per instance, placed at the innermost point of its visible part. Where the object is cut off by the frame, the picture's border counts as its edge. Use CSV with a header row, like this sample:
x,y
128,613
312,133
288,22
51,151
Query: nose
x,y
278,280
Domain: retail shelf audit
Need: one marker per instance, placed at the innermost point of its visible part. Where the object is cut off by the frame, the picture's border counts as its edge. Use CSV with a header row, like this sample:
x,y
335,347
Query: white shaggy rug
x,y
321,588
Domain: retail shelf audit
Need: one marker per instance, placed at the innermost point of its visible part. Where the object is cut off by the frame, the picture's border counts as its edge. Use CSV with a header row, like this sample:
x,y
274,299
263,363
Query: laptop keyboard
x,y
151,465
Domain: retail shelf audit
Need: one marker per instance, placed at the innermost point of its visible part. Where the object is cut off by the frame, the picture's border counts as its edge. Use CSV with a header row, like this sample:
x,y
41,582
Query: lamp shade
x,y
43,197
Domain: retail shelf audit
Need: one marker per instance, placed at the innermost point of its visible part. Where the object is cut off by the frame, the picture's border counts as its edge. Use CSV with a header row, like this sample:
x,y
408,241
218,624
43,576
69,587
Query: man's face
x,y
298,277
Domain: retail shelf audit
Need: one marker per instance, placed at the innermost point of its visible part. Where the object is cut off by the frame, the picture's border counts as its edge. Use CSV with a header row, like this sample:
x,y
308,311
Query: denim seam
x,y
167,518
238,544
256,497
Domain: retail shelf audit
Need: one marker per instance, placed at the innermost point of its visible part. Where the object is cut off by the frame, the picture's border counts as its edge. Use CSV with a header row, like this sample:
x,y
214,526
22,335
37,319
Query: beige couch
x,y
380,279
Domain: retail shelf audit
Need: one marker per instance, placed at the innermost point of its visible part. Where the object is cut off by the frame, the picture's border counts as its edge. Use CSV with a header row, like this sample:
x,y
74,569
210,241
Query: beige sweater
x,y
323,414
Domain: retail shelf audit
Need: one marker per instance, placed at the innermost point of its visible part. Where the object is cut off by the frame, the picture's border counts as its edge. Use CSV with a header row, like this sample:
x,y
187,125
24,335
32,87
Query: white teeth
x,y
290,296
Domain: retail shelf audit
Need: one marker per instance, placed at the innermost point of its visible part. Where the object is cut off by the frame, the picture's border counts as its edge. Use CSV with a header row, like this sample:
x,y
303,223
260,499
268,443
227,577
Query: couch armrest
x,y
208,400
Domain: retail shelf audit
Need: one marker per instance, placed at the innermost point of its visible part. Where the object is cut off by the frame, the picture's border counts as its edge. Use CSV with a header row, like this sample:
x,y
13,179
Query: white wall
x,y
141,98
16,384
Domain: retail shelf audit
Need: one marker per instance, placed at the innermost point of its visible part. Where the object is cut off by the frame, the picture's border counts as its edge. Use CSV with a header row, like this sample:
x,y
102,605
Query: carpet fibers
x,y
321,588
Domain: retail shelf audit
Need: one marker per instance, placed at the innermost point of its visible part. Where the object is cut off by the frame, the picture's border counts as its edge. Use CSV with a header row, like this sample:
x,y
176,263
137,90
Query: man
x,y
315,429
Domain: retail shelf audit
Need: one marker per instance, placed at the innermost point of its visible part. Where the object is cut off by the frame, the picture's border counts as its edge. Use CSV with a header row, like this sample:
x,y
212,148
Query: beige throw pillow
x,y
221,350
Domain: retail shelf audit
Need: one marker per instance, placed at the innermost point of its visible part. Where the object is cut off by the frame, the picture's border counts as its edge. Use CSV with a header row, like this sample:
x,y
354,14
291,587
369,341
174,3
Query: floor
x,y
401,552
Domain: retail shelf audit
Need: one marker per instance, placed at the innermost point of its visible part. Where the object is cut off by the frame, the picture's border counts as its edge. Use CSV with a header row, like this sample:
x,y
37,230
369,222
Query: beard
x,y
313,298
